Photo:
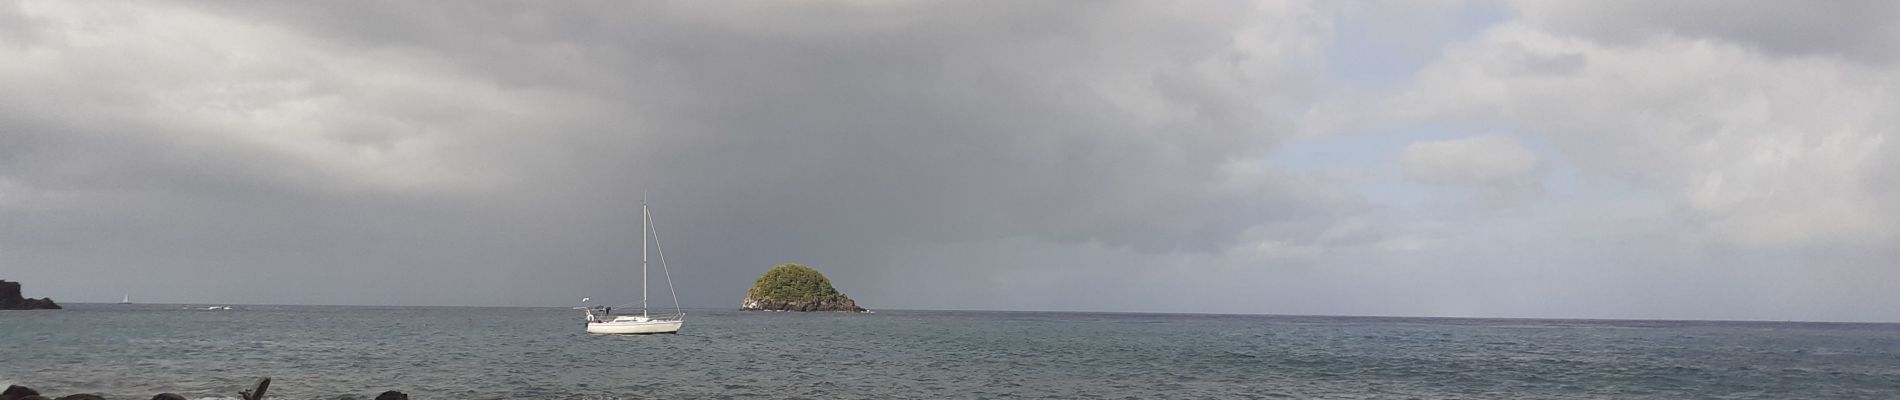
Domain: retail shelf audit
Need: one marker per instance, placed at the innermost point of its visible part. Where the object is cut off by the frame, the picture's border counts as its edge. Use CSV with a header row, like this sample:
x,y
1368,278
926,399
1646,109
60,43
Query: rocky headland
x,y
793,287
10,299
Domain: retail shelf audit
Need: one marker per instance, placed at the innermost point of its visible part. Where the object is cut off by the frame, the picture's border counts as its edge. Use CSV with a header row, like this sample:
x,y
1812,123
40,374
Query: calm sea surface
x,y
136,351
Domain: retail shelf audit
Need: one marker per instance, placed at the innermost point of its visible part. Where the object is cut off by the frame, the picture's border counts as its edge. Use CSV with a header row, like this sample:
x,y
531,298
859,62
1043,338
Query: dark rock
x,y
168,396
392,395
33,397
10,299
82,397
256,392
15,392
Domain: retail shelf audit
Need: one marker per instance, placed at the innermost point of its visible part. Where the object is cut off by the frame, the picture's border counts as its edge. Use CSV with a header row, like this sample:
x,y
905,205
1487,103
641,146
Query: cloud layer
x,y
1091,156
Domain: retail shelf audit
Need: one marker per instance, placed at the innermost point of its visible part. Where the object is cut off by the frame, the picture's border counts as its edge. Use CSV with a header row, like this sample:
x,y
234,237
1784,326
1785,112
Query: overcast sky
x,y
1600,159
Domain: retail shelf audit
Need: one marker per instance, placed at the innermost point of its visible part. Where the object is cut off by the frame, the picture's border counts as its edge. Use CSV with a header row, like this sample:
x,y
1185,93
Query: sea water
x,y
312,352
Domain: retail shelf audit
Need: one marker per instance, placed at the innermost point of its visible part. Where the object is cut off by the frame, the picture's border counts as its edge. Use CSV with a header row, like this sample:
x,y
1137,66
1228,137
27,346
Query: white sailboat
x,y
602,320
126,300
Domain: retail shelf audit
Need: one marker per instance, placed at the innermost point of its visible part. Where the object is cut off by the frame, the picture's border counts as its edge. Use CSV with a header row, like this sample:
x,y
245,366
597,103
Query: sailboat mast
x,y
645,226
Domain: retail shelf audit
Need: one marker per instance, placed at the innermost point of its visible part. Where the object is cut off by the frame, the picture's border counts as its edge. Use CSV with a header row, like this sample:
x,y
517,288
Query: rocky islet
x,y
795,287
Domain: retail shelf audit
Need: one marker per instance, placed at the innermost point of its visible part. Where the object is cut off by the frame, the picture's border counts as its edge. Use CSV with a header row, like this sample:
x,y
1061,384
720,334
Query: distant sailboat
x,y
126,300
602,320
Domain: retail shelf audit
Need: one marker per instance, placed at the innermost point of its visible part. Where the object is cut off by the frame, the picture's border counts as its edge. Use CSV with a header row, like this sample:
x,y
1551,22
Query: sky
x,y
1602,159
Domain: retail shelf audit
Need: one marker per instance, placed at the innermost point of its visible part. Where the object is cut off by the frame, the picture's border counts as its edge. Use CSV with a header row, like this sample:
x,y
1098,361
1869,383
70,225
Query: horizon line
x,y
1368,316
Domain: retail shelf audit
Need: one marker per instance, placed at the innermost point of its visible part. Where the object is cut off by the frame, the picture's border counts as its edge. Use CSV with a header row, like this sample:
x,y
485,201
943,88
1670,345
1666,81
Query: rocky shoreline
x,y
10,299
256,392
840,304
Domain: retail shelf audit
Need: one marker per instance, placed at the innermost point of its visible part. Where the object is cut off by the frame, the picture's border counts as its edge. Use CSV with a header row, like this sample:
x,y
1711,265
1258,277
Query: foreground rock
x,y
793,287
17,392
256,392
14,392
10,299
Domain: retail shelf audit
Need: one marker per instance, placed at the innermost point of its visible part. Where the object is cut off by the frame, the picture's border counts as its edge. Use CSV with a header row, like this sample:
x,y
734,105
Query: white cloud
x,y
1496,169
1752,149
1477,160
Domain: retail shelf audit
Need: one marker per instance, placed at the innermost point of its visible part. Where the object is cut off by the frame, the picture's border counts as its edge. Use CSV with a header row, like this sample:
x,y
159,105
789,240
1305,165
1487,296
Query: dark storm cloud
x,y
496,153
977,118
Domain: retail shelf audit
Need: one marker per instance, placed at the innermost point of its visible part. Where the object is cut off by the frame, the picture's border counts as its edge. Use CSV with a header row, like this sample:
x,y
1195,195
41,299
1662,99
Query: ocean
x,y
322,352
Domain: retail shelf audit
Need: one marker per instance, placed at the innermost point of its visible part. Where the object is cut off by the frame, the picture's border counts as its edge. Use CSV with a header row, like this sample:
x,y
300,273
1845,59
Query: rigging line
x,y
668,273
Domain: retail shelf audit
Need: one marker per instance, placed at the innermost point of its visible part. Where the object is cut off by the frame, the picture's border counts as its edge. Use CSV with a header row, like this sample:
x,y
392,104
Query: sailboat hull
x,y
634,328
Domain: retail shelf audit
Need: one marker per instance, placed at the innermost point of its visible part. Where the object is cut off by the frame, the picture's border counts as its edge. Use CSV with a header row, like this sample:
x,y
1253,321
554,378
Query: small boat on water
x,y
126,300
601,319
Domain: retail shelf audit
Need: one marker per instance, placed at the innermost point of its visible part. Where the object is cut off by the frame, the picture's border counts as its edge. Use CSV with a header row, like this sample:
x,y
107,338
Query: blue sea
x,y
320,352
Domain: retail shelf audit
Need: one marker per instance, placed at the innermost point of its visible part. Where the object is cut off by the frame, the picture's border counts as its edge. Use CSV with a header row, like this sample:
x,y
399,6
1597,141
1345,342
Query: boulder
x,y
168,396
15,392
392,395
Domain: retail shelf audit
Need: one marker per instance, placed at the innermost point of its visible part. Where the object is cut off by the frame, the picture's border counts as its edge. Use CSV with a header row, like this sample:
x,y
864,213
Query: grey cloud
x,y
1857,29
498,148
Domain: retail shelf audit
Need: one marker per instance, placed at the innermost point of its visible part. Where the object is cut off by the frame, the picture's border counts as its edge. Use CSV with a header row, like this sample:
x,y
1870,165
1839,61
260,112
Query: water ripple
x,y
499,353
